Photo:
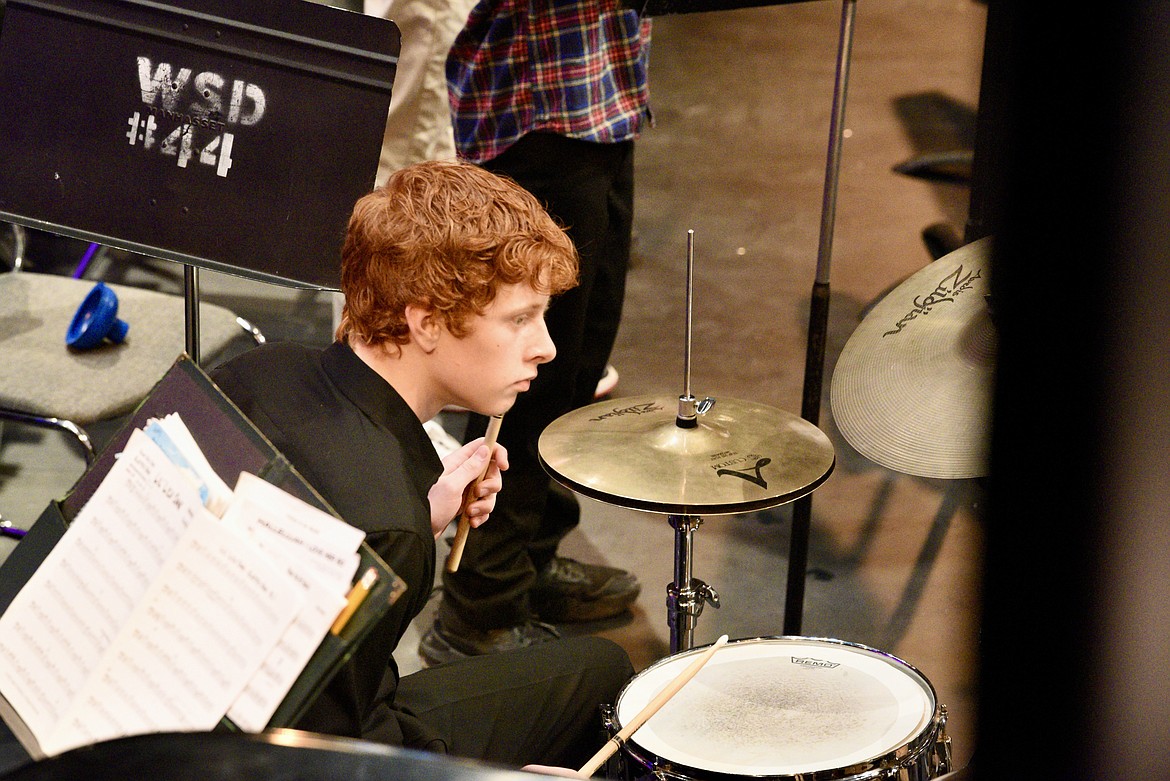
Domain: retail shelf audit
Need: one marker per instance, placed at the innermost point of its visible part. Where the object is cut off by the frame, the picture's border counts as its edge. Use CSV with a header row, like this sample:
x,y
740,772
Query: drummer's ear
x,y
424,326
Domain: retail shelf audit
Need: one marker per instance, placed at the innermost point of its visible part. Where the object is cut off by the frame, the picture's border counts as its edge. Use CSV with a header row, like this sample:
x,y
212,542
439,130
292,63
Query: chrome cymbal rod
x,y
686,596
689,312
688,408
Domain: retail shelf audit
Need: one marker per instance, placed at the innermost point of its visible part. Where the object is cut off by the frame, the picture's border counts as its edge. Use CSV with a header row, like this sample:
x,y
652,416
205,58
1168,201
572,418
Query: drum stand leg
x,y
686,596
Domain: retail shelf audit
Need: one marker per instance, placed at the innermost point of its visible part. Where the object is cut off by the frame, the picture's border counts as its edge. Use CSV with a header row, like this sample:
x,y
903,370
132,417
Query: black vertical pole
x,y
818,325
191,309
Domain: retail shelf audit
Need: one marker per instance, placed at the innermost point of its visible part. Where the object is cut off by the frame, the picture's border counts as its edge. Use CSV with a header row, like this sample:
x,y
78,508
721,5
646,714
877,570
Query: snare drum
x,y
807,708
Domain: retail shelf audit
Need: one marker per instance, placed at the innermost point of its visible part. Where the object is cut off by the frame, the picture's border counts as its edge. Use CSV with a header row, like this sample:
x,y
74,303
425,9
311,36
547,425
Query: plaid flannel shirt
x,y
573,67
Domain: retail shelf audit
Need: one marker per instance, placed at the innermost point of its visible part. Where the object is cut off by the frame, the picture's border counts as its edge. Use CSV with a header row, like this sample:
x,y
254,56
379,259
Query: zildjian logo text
x,y
946,291
635,409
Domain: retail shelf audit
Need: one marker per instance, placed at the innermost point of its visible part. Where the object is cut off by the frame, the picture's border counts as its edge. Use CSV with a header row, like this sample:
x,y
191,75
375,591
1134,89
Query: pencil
x,y
357,595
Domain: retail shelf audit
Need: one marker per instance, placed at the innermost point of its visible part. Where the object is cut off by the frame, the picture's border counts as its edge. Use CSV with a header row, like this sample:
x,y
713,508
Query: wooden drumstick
x,y
456,553
668,691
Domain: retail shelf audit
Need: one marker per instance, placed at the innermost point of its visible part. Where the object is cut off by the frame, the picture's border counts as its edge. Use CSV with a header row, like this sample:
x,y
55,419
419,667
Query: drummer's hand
x,y
551,770
461,468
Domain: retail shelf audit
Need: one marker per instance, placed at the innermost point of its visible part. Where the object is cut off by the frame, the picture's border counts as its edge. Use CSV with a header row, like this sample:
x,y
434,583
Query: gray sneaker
x,y
441,643
567,590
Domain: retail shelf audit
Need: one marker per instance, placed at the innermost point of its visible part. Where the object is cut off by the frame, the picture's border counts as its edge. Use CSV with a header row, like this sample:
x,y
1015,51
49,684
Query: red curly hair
x,y
445,235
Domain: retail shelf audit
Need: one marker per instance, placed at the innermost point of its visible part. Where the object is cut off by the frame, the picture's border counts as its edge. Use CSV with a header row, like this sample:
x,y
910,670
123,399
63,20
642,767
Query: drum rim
x,y
913,747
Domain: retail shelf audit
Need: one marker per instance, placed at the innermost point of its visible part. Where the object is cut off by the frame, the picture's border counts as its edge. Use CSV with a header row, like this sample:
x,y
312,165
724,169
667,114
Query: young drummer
x,y
447,271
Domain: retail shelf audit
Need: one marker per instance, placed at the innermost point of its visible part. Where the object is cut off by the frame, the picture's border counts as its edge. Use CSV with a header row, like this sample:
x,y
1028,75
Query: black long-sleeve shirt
x,y
350,434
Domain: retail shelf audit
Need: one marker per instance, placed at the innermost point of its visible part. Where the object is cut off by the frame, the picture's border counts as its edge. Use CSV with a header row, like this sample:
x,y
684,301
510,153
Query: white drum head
x,y
780,706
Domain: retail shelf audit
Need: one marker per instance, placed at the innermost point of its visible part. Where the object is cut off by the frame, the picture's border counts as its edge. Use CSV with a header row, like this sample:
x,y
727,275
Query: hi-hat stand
x,y
819,309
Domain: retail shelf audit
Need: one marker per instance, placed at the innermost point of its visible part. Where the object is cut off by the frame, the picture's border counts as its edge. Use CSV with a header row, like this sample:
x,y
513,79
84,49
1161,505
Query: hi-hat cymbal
x,y
912,387
741,456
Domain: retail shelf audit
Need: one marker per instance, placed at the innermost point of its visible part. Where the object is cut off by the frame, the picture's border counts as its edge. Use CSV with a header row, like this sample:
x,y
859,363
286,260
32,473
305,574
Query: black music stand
x,y
233,135
814,367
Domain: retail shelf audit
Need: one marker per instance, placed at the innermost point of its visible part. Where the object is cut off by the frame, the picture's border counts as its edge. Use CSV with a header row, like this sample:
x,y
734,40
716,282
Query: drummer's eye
x,y
528,316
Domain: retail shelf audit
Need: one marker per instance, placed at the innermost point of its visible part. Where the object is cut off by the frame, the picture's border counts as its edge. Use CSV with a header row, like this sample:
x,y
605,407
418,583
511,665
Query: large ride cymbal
x,y
912,387
741,456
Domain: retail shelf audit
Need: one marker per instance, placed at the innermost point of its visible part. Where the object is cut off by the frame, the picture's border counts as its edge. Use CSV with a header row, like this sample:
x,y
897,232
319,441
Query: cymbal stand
x,y
686,596
814,360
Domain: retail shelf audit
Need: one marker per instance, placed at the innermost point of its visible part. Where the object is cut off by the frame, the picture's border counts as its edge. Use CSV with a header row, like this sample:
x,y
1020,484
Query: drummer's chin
x,y
499,406
504,408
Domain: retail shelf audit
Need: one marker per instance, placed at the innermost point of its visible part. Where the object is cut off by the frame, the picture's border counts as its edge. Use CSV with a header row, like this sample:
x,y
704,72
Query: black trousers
x,y
539,705
589,188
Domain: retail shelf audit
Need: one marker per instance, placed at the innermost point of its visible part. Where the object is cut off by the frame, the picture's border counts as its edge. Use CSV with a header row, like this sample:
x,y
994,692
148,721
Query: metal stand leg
x,y
685,596
191,310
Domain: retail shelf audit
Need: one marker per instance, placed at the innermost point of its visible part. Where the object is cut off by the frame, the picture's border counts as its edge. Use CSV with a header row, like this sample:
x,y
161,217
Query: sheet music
x,y
175,440
320,552
265,690
151,614
216,610
290,528
65,618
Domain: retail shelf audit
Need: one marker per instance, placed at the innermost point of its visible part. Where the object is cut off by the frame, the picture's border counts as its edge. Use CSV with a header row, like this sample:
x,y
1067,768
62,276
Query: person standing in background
x,y
418,125
552,94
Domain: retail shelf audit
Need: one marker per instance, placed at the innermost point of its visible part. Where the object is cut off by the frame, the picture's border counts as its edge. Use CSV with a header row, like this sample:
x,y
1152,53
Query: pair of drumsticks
x,y
652,707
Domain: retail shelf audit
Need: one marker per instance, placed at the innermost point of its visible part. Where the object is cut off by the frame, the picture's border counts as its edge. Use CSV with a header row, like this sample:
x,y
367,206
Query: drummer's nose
x,y
542,349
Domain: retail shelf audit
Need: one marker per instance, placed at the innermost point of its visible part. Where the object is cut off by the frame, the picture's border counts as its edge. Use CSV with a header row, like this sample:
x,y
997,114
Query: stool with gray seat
x,y
45,383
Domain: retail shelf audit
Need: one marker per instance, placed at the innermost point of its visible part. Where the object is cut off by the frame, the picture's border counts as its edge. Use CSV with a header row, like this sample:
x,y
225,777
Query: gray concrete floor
x,y
742,104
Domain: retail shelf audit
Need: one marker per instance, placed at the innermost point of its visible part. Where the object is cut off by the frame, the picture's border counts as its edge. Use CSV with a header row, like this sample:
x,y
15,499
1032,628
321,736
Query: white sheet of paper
x,y
264,692
68,614
200,632
176,440
290,527
321,553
